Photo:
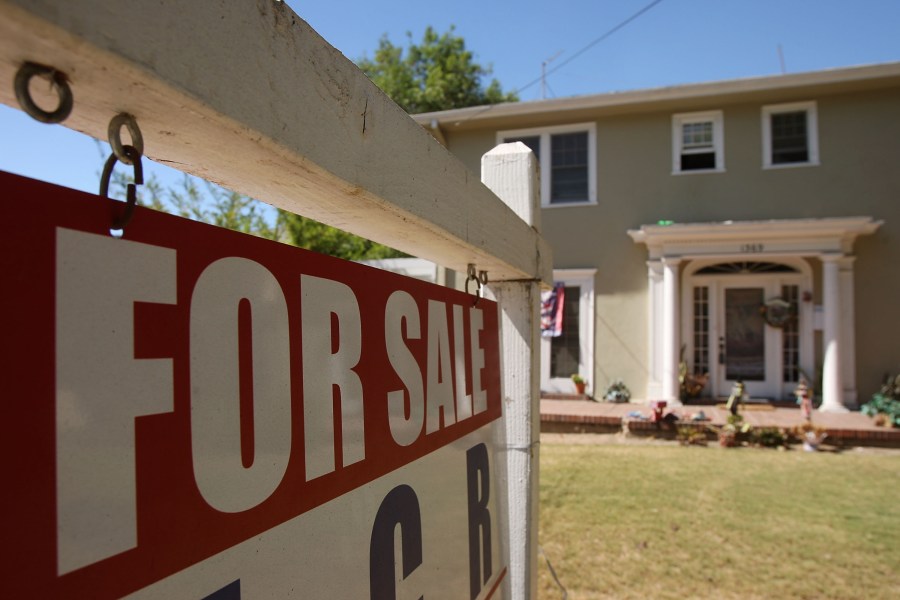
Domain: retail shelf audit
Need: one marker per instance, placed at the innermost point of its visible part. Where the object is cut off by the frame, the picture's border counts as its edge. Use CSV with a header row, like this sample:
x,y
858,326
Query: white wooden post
x,y
510,171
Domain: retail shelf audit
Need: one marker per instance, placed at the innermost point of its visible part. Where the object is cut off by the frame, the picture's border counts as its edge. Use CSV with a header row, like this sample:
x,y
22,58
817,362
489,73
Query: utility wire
x,y
571,58
592,44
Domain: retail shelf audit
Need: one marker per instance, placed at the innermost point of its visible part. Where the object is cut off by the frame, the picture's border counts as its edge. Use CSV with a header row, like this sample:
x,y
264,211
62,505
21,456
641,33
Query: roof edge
x,y
662,94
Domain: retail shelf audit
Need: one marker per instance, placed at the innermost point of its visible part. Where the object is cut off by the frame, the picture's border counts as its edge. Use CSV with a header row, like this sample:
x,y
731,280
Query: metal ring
x,y
471,276
58,81
115,136
131,191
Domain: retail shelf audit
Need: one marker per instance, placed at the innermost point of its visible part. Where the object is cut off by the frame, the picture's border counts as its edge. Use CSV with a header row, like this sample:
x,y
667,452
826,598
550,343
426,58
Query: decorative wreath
x,y
777,312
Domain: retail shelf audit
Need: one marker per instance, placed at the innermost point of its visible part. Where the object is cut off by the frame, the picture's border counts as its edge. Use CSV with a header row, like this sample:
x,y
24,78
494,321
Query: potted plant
x,y
579,382
617,392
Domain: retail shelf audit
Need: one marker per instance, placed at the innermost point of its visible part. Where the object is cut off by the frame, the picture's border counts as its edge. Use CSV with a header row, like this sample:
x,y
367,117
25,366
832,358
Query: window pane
x,y
532,141
701,330
790,350
697,135
565,350
569,167
789,137
693,162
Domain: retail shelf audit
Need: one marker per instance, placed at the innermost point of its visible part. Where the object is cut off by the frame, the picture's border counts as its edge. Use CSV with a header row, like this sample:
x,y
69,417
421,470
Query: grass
x,y
662,522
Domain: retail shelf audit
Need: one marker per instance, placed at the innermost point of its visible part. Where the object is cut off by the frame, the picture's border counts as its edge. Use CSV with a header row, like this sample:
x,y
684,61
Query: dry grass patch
x,y
671,522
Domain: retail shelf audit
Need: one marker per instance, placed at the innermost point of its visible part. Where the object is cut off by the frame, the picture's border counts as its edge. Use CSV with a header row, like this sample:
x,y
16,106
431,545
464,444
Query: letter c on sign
x,y
399,507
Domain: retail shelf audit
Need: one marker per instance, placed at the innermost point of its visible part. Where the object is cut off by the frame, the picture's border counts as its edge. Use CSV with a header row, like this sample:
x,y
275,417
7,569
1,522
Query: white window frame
x,y
544,133
584,280
812,133
678,122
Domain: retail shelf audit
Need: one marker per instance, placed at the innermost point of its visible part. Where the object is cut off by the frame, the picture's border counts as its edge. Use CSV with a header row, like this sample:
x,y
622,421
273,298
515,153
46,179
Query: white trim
x,y
783,240
812,133
545,133
718,140
584,279
777,237
772,282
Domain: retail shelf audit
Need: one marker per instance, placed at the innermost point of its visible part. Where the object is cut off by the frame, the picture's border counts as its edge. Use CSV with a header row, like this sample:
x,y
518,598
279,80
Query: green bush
x,y
886,402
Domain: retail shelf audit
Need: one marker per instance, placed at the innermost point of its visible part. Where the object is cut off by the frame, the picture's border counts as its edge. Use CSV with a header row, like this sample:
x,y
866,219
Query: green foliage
x,y
886,402
208,203
437,74
312,235
214,205
769,437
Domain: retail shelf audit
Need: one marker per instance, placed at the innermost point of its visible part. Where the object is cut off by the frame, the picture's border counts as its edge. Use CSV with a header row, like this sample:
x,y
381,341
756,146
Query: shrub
x,y
885,402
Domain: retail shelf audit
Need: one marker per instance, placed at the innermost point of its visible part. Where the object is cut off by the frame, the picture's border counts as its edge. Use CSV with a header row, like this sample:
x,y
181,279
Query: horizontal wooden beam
x,y
247,95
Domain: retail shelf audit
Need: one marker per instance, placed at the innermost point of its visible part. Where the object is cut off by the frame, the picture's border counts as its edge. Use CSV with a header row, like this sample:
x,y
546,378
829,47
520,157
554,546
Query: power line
x,y
570,59
592,44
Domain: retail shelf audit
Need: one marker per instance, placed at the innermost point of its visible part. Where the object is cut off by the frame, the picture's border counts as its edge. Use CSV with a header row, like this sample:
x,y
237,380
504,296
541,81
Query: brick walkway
x,y
853,428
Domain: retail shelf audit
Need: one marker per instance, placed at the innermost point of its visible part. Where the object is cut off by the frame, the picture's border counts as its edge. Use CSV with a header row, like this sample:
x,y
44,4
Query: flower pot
x,y
579,387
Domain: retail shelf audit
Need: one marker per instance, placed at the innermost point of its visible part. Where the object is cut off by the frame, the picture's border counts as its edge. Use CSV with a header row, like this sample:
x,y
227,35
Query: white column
x,y
671,338
510,171
654,329
848,332
832,388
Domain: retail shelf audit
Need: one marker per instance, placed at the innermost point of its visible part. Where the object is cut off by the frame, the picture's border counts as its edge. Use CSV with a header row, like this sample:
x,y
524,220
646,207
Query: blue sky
x,y
674,42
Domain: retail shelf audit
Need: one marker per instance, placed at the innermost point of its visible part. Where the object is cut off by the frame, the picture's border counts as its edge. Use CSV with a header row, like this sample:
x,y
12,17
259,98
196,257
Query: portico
x,y
738,300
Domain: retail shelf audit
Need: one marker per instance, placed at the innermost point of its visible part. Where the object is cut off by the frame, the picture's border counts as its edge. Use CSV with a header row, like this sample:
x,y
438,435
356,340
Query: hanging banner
x,y
192,412
552,302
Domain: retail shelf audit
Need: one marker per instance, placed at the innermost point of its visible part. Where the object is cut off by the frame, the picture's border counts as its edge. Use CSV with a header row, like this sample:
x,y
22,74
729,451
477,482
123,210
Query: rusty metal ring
x,y
114,131
58,81
131,194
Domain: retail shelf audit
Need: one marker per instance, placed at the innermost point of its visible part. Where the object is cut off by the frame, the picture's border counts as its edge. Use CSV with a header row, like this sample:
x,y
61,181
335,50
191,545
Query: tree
x,y
217,206
312,235
438,74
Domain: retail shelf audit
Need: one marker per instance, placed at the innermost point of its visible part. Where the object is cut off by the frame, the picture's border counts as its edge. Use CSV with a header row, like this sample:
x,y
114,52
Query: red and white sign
x,y
190,412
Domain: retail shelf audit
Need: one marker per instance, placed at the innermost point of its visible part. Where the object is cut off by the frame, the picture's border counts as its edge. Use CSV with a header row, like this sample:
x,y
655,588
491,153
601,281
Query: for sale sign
x,y
190,412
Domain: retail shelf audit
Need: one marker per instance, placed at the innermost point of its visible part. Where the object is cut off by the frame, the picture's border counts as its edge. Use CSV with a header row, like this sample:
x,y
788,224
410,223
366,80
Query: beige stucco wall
x,y
859,175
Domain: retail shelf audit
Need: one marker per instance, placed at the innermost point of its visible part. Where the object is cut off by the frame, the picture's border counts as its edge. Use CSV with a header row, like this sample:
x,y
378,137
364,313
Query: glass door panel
x,y
745,334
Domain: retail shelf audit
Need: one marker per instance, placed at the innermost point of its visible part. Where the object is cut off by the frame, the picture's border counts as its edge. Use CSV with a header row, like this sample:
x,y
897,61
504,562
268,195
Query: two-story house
x,y
750,228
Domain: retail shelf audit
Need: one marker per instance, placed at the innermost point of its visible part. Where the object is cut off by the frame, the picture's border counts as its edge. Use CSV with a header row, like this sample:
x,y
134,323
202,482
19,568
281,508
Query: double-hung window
x,y
698,142
790,135
567,158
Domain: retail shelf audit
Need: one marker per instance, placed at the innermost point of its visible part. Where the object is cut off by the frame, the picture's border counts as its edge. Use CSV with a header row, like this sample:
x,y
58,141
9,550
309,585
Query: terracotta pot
x,y
579,387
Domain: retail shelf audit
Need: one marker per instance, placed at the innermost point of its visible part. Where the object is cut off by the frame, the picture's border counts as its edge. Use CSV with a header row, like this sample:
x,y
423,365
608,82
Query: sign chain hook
x,y
480,278
129,155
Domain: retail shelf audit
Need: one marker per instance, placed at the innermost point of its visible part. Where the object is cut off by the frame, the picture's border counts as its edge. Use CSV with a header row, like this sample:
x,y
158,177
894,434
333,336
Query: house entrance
x,y
745,326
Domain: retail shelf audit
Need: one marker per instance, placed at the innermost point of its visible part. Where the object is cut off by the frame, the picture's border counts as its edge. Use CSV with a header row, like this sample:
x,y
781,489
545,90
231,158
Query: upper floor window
x,y
698,142
790,135
567,157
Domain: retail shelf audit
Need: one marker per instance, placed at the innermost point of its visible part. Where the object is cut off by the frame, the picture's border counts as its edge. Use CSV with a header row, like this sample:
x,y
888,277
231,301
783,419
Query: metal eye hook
x,y
58,81
114,131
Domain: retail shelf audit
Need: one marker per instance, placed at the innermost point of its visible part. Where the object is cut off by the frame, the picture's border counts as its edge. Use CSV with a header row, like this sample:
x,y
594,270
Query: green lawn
x,y
640,521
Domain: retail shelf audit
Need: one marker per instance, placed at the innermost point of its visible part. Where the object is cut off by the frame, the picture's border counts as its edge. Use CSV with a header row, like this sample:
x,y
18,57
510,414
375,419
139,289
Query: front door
x,y
745,342
733,334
